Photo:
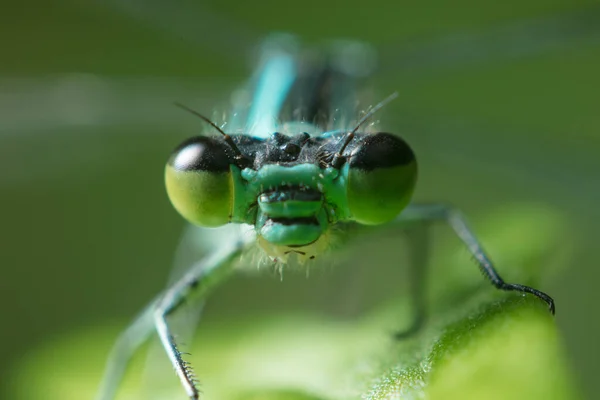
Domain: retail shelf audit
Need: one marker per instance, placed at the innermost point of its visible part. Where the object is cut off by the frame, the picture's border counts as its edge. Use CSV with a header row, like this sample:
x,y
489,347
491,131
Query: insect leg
x,y
432,212
197,282
418,247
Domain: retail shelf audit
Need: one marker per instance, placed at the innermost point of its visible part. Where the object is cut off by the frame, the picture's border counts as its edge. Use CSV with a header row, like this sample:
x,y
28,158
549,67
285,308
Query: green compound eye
x,y
381,178
199,181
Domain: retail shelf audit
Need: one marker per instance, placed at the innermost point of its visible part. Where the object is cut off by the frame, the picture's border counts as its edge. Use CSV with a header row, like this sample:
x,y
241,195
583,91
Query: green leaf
x,y
482,344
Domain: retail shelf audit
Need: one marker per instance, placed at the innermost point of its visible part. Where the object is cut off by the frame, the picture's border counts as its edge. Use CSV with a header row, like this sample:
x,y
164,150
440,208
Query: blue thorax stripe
x,y
274,83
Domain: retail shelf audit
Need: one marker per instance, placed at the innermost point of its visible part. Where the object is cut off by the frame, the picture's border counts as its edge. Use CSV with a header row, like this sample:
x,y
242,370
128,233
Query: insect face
x,y
288,188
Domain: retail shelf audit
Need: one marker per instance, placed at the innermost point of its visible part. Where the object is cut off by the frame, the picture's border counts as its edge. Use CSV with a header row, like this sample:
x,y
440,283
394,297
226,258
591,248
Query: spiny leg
x,y
432,212
197,282
418,247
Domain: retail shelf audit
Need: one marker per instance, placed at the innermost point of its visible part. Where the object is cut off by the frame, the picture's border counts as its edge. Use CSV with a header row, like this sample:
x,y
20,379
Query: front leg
x,y
200,278
430,212
418,241
197,282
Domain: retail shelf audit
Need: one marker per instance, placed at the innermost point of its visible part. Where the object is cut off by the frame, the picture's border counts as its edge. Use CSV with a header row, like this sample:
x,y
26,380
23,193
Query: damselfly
x,y
294,168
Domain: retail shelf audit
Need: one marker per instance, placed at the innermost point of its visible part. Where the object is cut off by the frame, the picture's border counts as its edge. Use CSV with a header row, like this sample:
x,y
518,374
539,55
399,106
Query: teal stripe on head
x,y
274,83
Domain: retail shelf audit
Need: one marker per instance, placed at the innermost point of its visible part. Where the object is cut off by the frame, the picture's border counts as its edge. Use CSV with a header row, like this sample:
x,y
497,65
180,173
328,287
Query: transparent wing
x,y
195,244
190,249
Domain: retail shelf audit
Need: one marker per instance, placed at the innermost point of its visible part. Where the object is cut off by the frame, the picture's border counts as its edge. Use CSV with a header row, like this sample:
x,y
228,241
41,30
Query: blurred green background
x,y
499,100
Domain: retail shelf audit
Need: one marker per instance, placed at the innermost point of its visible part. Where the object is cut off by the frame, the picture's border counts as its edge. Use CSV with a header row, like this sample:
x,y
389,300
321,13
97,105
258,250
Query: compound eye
x,y
381,178
199,181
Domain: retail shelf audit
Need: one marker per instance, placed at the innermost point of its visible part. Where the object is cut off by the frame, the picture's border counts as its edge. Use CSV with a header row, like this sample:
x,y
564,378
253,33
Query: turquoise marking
x,y
334,133
249,184
273,175
291,208
297,234
273,86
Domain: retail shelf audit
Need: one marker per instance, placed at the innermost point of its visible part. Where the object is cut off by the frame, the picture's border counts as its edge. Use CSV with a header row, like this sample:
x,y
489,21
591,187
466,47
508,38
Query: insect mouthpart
x,y
291,219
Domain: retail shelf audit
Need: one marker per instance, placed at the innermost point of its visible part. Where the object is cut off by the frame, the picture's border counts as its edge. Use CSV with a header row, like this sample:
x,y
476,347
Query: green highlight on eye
x,y
202,197
377,196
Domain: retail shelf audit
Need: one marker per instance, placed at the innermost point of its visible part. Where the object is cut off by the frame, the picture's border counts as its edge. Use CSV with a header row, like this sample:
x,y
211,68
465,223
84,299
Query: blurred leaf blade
x,y
489,345
510,350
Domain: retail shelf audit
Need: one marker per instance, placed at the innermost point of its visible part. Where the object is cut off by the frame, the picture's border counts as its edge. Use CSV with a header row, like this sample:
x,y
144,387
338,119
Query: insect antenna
x,y
227,138
338,158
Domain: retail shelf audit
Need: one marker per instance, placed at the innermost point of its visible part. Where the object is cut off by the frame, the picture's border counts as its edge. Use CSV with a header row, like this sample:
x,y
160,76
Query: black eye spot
x,y
292,149
202,154
381,150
